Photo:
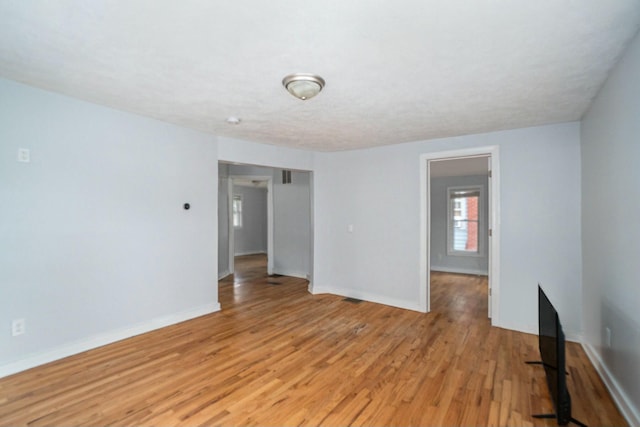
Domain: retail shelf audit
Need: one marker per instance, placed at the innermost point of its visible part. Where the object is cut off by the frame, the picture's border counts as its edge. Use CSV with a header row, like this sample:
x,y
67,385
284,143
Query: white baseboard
x,y
104,339
629,411
460,270
367,296
250,253
570,336
223,274
291,273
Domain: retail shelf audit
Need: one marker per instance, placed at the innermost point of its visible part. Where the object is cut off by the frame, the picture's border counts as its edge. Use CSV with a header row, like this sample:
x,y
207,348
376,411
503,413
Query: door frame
x,y
269,180
493,222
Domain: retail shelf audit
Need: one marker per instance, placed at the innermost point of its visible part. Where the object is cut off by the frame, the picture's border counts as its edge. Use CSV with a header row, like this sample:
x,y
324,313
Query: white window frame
x,y
237,213
481,221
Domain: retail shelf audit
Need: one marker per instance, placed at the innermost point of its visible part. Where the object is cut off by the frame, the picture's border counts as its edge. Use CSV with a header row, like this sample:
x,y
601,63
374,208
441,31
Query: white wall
x,y
440,261
251,238
611,232
292,224
377,191
94,242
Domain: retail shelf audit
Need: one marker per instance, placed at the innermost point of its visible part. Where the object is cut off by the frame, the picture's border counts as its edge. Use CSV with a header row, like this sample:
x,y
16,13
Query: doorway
x,y
460,219
241,216
289,219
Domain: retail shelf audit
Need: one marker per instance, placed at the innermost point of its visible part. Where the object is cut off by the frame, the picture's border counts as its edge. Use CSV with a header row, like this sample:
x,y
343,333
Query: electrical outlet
x,y
18,327
24,155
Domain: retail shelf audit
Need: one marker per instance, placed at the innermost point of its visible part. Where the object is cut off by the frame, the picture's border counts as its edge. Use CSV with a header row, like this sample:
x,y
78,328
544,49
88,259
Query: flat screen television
x,y
552,351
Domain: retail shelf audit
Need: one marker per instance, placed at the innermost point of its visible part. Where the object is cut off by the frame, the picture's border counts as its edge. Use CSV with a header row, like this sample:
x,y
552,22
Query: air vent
x,y
286,177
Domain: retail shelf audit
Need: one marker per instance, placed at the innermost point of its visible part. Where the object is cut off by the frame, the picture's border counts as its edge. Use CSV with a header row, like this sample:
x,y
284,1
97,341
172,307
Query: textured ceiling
x,y
396,71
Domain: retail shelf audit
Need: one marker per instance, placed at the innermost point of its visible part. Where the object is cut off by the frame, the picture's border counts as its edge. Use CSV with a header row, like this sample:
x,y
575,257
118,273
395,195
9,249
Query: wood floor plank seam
x,y
278,355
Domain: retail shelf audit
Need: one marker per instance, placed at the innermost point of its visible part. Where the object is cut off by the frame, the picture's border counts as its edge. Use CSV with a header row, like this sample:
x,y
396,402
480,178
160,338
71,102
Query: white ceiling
x,y
396,71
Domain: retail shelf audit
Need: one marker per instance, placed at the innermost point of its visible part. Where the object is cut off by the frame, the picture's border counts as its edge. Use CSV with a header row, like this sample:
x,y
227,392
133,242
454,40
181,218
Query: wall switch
x,y
18,327
350,228
607,337
24,155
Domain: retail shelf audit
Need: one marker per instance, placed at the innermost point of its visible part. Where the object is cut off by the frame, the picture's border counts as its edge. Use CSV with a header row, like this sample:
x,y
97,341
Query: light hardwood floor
x,y
276,355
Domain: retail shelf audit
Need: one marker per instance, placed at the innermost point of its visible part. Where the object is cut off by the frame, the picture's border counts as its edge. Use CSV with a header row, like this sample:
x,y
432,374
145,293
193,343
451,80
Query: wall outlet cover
x,y
24,155
18,327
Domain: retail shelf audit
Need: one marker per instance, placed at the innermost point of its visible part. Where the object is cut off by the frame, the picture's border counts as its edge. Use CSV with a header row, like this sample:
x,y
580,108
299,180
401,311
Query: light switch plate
x,y
24,155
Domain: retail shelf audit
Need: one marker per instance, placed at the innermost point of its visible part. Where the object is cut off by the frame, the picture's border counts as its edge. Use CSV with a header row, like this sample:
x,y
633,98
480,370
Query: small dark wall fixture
x,y
186,206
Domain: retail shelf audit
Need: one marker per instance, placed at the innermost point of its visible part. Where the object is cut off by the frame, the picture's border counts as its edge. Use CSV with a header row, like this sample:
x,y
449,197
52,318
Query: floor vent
x,y
352,300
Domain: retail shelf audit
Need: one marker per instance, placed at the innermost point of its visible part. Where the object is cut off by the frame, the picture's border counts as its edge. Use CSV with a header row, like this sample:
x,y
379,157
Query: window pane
x,y
465,221
237,211
472,226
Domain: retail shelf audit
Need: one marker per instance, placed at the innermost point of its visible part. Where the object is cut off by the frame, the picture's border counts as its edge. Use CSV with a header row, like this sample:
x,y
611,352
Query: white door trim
x,y
269,180
494,223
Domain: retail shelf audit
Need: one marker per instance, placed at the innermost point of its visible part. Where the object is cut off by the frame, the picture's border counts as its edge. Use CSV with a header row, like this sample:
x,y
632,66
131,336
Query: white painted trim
x,y
493,152
312,210
533,330
230,228
251,253
366,296
223,274
425,232
298,274
460,270
104,339
626,406
270,220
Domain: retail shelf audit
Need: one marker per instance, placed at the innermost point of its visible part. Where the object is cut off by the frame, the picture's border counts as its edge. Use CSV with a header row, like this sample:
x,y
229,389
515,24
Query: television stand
x,y
571,420
551,416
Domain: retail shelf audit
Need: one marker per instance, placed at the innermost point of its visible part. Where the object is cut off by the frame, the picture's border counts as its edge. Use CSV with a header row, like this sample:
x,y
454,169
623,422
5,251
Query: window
x,y
237,211
464,220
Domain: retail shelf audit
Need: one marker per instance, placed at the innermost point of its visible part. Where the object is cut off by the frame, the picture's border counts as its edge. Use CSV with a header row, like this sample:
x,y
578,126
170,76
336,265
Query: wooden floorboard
x,y
276,355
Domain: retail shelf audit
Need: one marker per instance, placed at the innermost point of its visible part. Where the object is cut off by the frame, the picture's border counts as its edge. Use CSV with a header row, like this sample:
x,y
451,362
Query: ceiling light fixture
x,y
303,86
233,120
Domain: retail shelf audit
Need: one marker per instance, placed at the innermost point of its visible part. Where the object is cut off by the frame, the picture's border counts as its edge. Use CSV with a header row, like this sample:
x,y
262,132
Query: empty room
x,y
412,213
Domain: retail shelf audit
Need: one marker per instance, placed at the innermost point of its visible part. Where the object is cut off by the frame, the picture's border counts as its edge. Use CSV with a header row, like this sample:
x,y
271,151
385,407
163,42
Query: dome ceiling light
x,y
303,86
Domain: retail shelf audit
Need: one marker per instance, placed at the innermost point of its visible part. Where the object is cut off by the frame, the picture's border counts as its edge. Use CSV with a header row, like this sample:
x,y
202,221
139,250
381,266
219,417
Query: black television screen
x,y
552,351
